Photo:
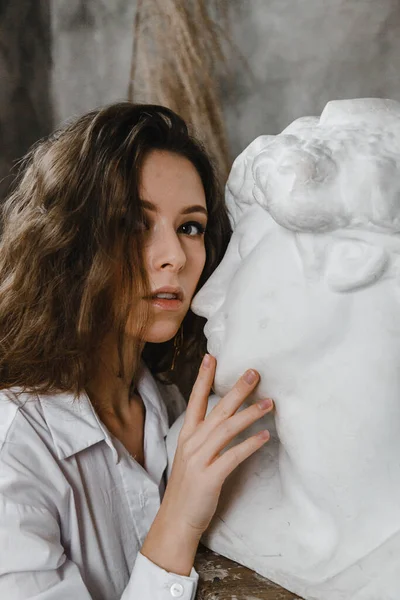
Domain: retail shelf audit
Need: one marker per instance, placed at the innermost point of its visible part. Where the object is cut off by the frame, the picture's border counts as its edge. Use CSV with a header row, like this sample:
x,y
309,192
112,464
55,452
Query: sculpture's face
x,y
308,294
263,310
319,229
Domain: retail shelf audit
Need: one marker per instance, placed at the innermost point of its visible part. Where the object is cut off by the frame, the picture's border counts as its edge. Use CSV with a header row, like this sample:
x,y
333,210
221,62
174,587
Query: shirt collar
x,y
75,426
156,427
152,398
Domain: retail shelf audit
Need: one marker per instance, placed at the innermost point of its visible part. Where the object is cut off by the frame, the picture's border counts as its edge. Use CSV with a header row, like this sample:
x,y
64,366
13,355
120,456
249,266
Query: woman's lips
x,y
168,298
166,304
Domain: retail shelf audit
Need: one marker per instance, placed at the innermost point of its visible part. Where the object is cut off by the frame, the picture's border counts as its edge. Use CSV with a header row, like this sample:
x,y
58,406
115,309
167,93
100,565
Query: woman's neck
x,y
117,402
110,394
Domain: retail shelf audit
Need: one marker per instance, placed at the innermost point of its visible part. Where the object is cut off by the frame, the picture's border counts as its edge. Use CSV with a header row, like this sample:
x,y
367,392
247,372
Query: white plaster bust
x,y
308,294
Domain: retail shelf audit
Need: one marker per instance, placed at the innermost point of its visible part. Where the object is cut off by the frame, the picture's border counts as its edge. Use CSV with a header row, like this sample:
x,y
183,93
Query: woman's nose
x,y
166,252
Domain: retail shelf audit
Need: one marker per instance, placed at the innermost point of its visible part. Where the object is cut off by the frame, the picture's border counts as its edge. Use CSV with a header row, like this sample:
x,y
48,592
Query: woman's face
x,y
176,216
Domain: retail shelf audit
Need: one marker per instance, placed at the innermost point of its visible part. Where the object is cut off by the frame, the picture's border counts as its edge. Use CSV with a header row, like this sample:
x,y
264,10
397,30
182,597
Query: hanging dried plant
x,y
178,54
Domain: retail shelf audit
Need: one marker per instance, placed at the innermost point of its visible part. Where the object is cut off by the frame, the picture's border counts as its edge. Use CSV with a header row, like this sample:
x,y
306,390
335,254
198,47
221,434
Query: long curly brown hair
x,y
74,215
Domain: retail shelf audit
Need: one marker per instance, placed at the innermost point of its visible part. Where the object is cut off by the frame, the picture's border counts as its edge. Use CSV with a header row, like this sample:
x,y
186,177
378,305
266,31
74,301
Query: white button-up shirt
x,y
75,507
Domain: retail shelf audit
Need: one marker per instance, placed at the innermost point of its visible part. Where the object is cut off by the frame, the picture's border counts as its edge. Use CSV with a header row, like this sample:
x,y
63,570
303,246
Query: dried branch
x,y
178,54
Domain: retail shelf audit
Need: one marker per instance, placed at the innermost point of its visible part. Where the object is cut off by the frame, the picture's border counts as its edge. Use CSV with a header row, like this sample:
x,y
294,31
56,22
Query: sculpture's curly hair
x,y
72,220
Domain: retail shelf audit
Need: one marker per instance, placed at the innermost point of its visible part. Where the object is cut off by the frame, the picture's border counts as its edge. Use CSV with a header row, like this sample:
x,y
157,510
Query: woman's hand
x,y
199,469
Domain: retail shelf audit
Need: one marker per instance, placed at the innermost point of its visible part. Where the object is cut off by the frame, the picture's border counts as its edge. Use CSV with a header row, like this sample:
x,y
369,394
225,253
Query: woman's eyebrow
x,y
193,209
149,205
186,211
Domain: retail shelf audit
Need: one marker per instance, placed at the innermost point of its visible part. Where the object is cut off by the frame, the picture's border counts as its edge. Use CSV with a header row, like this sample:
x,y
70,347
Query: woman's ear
x,y
354,263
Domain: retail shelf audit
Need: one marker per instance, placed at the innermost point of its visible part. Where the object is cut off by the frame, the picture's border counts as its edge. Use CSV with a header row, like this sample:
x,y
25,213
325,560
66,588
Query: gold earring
x,y
178,341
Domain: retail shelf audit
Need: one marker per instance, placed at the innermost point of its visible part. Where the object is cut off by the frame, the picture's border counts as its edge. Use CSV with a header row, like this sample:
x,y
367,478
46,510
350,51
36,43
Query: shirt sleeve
x,y
148,582
32,561
173,399
33,564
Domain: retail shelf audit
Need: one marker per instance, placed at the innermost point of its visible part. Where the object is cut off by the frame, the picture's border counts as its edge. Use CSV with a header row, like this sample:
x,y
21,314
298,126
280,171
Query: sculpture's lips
x,y
214,346
214,334
211,327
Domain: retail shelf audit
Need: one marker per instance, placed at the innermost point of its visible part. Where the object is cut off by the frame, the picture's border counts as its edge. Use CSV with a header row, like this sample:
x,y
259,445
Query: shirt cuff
x,y
150,582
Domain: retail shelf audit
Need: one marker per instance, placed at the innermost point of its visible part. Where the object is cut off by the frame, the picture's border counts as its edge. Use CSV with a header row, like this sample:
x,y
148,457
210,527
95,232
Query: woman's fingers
x,y
228,429
198,401
200,467
226,463
229,404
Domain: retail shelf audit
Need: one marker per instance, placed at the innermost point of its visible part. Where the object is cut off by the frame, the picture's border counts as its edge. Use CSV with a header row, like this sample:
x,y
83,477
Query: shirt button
x,y
176,590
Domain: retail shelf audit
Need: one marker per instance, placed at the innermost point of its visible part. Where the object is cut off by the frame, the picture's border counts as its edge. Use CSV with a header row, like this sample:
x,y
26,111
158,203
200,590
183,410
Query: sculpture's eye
x,y
247,243
254,225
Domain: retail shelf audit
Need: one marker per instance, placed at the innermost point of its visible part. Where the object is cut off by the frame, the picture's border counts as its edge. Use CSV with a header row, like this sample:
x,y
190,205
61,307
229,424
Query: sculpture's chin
x,y
230,367
225,378
221,389
214,345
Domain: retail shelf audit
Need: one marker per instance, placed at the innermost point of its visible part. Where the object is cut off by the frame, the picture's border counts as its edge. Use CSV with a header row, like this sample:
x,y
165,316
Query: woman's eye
x,y
141,227
192,228
138,227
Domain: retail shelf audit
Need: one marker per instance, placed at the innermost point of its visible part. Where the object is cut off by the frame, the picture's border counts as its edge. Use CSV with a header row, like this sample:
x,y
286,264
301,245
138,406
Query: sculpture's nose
x,y
213,293
209,298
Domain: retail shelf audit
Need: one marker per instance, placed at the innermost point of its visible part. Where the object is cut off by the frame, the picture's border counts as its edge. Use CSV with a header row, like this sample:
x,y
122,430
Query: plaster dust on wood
x,y
219,573
239,582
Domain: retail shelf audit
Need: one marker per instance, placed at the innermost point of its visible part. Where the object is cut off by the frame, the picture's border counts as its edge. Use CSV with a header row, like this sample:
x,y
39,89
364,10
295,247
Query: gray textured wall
x,y
296,55
92,48
25,64
301,53
304,53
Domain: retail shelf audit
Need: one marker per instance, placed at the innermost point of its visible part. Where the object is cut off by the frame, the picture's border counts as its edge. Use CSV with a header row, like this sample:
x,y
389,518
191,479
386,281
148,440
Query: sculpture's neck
x,y
340,431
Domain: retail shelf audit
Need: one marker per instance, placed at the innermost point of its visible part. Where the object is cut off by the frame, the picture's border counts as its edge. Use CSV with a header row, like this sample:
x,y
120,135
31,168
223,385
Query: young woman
x,y
114,224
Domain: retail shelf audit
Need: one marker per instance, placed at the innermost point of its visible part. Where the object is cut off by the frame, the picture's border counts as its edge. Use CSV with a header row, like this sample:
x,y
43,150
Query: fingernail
x,y
250,376
265,404
264,435
206,361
